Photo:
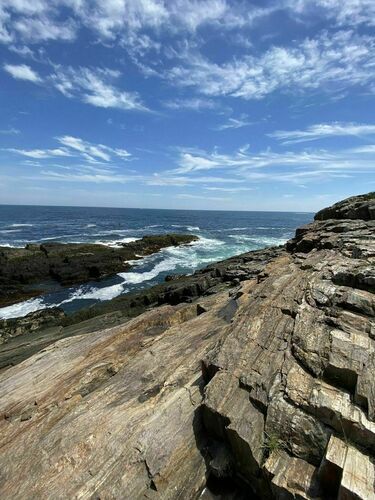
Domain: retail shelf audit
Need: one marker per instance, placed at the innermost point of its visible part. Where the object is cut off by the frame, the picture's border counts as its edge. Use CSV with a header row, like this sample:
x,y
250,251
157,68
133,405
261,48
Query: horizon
x,y
217,105
150,208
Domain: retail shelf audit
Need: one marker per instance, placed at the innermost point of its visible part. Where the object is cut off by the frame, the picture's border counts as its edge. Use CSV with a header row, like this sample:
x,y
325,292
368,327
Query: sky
x,y
201,104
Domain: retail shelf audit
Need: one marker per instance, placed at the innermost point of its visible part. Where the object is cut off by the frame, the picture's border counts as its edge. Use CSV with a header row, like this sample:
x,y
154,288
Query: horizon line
x,y
167,209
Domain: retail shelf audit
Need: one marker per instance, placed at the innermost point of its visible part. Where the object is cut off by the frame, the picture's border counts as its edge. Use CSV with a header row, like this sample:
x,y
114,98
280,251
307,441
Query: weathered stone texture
x,y
269,389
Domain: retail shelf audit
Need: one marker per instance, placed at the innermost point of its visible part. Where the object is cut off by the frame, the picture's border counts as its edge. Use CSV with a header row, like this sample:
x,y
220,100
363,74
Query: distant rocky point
x,y
253,378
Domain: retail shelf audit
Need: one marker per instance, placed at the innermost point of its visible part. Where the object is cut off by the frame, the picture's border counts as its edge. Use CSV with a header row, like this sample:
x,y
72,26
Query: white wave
x,y
188,227
84,293
21,309
115,243
258,240
21,225
154,225
207,243
105,293
135,278
5,231
121,232
8,245
57,238
90,225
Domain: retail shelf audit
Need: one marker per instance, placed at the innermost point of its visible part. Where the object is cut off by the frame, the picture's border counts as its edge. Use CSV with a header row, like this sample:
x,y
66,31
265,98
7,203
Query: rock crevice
x,y
263,392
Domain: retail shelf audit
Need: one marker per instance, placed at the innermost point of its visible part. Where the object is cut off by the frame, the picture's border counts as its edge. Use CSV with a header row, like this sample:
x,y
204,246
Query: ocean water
x,y
221,235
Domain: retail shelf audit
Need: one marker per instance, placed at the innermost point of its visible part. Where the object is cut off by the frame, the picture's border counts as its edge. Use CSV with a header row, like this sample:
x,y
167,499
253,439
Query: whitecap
x,y
115,243
105,293
21,308
188,227
21,225
258,240
90,225
135,278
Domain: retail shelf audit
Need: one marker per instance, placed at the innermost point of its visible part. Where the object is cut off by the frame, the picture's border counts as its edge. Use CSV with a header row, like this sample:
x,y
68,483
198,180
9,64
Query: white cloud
x,y
193,103
188,196
344,12
92,152
234,123
40,20
10,131
332,62
229,189
40,153
295,167
95,86
168,179
324,130
83,177
22,72
77,147
42,29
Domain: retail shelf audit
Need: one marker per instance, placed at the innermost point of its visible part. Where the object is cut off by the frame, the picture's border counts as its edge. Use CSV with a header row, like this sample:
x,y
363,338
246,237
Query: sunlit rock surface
x,y
267,391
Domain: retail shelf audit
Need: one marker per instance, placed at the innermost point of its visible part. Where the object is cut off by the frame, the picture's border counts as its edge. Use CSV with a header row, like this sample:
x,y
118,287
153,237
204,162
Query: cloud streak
x,y
324,130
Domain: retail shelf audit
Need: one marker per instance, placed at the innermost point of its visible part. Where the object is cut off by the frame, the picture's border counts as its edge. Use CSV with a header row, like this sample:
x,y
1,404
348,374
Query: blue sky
x,y
211,104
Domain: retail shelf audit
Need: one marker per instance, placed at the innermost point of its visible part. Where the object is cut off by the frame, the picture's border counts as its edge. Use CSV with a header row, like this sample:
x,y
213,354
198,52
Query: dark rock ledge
x,y
27,272
267,391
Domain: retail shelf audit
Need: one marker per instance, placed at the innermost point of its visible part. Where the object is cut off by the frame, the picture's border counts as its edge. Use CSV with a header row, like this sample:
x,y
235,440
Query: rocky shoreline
x,y
28,272
252,378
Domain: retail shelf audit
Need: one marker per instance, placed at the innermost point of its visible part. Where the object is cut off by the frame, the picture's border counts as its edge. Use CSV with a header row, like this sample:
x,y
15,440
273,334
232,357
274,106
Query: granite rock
x,y
263,392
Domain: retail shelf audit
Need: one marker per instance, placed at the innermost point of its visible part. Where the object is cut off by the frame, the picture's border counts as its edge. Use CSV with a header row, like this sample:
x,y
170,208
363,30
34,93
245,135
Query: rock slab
x,y
264,392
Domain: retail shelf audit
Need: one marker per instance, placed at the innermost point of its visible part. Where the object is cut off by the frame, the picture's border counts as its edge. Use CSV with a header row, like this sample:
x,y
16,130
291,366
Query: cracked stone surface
x,y
265,392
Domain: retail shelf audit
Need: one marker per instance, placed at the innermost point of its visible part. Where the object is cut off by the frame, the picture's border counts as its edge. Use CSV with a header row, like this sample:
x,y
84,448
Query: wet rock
x,y
72,263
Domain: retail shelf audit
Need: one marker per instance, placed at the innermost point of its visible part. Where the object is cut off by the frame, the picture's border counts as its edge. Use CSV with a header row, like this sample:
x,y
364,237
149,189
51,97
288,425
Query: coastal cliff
x,y
261,386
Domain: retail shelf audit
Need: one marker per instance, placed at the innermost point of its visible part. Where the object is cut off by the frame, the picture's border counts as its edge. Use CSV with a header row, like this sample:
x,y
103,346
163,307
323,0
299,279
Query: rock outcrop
x,y
27,272
22,337
265,392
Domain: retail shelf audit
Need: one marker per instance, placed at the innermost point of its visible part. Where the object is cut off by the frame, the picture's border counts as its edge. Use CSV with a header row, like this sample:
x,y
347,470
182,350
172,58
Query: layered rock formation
x,y
21,337
27,272
265,392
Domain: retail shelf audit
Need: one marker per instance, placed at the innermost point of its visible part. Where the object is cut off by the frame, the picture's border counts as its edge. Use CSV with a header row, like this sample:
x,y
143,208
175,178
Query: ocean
x,y
221,235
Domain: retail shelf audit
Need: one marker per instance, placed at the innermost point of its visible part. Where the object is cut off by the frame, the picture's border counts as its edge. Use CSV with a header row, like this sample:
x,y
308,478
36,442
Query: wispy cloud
x,y
194,104
40,154
41,20
324,130
291,166
234,123
188,196
348,12
10,131
92,152
95,86
76,147
331,62
229,189
22,72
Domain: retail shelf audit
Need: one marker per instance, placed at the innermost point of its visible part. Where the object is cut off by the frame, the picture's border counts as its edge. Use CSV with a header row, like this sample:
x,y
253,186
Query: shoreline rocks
x,y
263,392
28,272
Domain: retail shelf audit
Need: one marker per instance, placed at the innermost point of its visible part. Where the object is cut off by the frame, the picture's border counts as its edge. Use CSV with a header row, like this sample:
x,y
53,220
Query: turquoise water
x,y
221,235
